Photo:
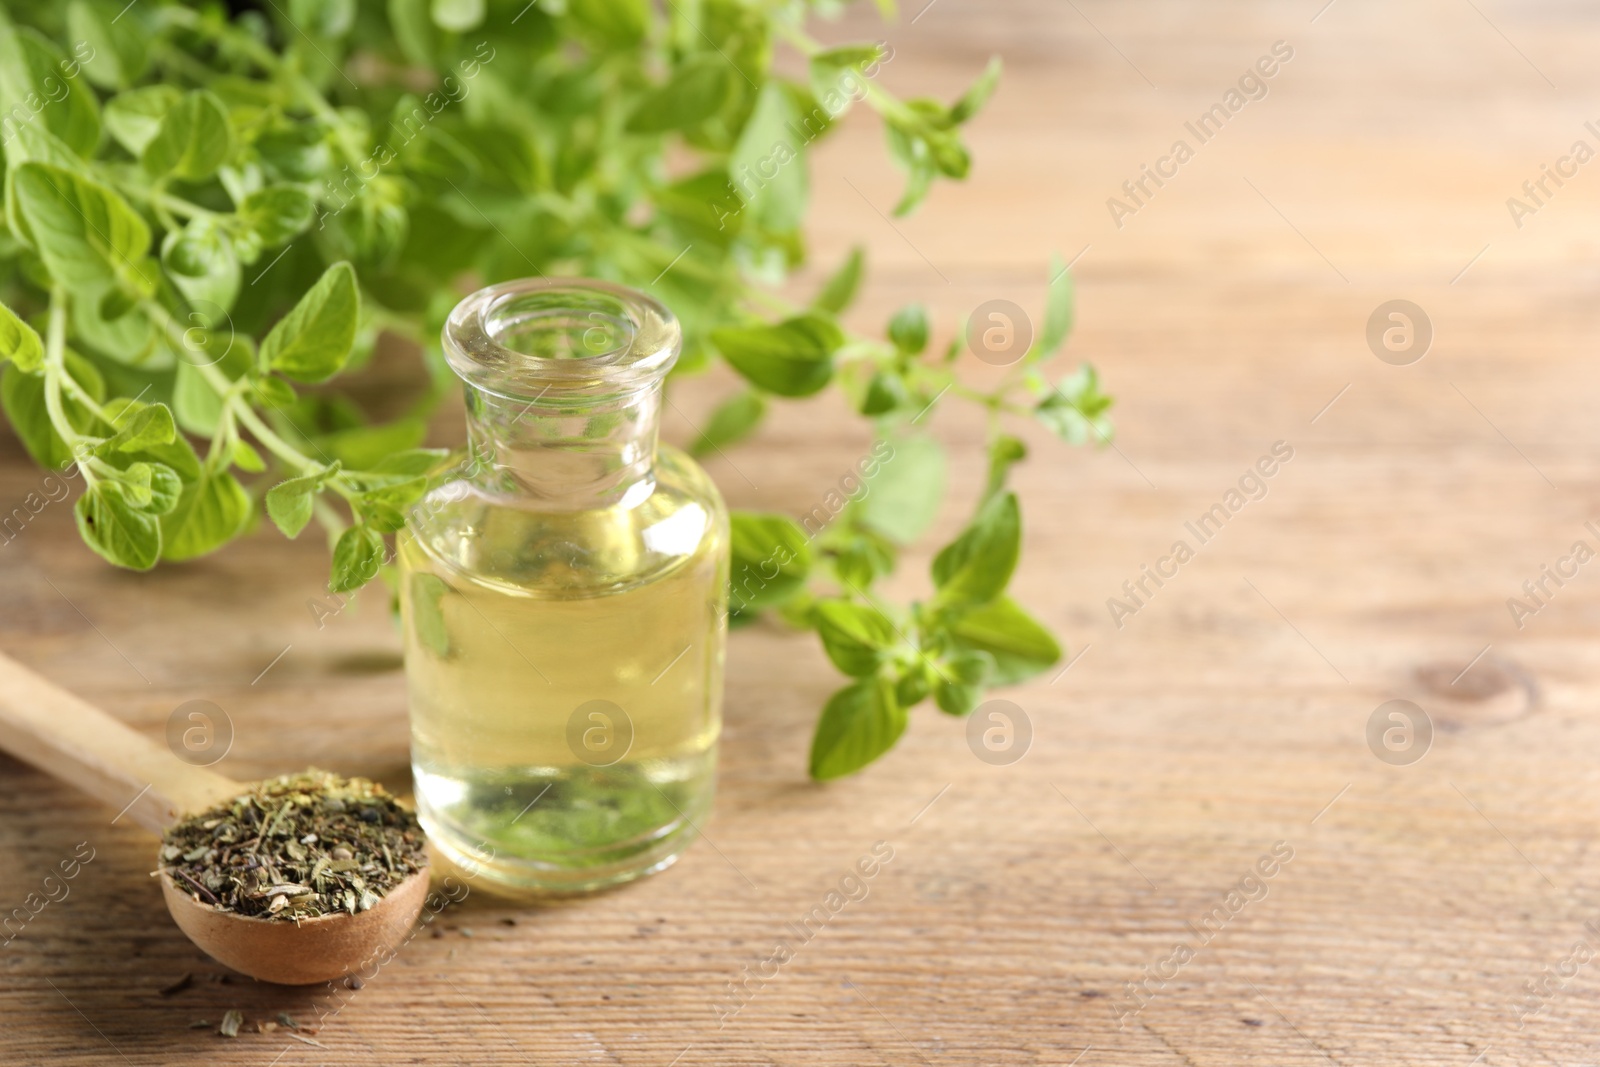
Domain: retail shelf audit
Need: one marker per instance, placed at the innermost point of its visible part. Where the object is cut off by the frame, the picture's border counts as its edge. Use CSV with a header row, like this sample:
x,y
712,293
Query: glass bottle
x,y
563,594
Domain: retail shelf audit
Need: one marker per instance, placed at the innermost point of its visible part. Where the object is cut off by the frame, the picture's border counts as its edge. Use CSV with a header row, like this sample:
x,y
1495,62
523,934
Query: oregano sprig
x,y
209,218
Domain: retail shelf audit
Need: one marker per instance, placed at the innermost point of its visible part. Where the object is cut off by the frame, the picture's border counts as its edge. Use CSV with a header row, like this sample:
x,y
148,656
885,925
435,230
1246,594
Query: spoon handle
x,y
57,732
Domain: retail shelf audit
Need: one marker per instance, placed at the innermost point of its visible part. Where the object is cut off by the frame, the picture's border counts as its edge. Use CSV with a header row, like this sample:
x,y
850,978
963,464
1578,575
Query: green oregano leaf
x,y
194,139
791,358
134,483
425,597
859,723
1005,451
313,340
904,494
201,262
1058,310
106,319
1019,645
380,515
20,344
975,567
961,678
134,118
356,558
771,557
770,160
886,391
84,232
909,329
732,421
458,16
246,458
211,512
275,392
22,396
409,463
63,105
847,55
289,503
840,289
696,91
277,214
914,684
114,49
973,99
146,426
166,489
861,557
619,23
1076,410
910,150
855,636
114,527
330,19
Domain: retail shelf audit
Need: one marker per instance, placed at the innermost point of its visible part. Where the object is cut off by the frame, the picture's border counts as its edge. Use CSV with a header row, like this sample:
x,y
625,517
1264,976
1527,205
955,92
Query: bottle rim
x,y
530,337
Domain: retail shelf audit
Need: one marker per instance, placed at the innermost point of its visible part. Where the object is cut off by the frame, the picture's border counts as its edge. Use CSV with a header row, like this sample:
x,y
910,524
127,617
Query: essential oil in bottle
x,y
564,595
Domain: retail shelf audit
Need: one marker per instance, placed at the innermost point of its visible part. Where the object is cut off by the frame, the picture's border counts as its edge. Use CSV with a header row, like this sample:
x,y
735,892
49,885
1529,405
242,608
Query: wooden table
x,y
1227,717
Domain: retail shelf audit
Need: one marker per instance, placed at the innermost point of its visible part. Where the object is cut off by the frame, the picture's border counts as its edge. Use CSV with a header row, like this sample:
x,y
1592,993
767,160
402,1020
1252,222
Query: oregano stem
x,y
176,205
224,387
254,423
82,396
55,372
329,519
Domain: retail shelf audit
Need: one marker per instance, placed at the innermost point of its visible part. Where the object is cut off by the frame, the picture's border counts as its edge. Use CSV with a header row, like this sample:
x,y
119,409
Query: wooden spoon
x,y
84,747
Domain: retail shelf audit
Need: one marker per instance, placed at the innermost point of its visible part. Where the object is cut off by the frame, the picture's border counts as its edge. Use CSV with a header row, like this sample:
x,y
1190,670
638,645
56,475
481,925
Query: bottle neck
x,y
565,454
564,380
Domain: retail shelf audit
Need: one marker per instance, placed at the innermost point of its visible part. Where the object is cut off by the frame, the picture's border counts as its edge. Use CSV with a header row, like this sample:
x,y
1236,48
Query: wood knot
x,y
1490,692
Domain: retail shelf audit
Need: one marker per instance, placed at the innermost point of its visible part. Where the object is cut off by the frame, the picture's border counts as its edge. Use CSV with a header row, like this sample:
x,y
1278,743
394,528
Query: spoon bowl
x,y
83,746
306,951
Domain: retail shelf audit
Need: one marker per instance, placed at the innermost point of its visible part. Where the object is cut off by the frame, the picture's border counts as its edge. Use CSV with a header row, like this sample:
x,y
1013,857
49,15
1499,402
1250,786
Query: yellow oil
x,y
565,677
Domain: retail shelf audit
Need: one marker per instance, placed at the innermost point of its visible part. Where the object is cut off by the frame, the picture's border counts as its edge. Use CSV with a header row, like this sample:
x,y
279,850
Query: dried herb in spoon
x,y
296,847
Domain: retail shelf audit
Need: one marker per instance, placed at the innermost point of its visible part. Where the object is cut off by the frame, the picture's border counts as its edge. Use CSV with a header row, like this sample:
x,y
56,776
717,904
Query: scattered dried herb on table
x,y
296,847
174,988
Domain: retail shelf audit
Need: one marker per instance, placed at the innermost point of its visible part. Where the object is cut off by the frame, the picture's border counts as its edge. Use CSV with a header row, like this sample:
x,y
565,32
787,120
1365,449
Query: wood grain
x,y
77,743
1229,714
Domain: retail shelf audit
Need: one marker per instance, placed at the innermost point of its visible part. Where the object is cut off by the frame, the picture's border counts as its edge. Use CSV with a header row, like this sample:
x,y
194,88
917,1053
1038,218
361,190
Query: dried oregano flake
x,y
296,847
